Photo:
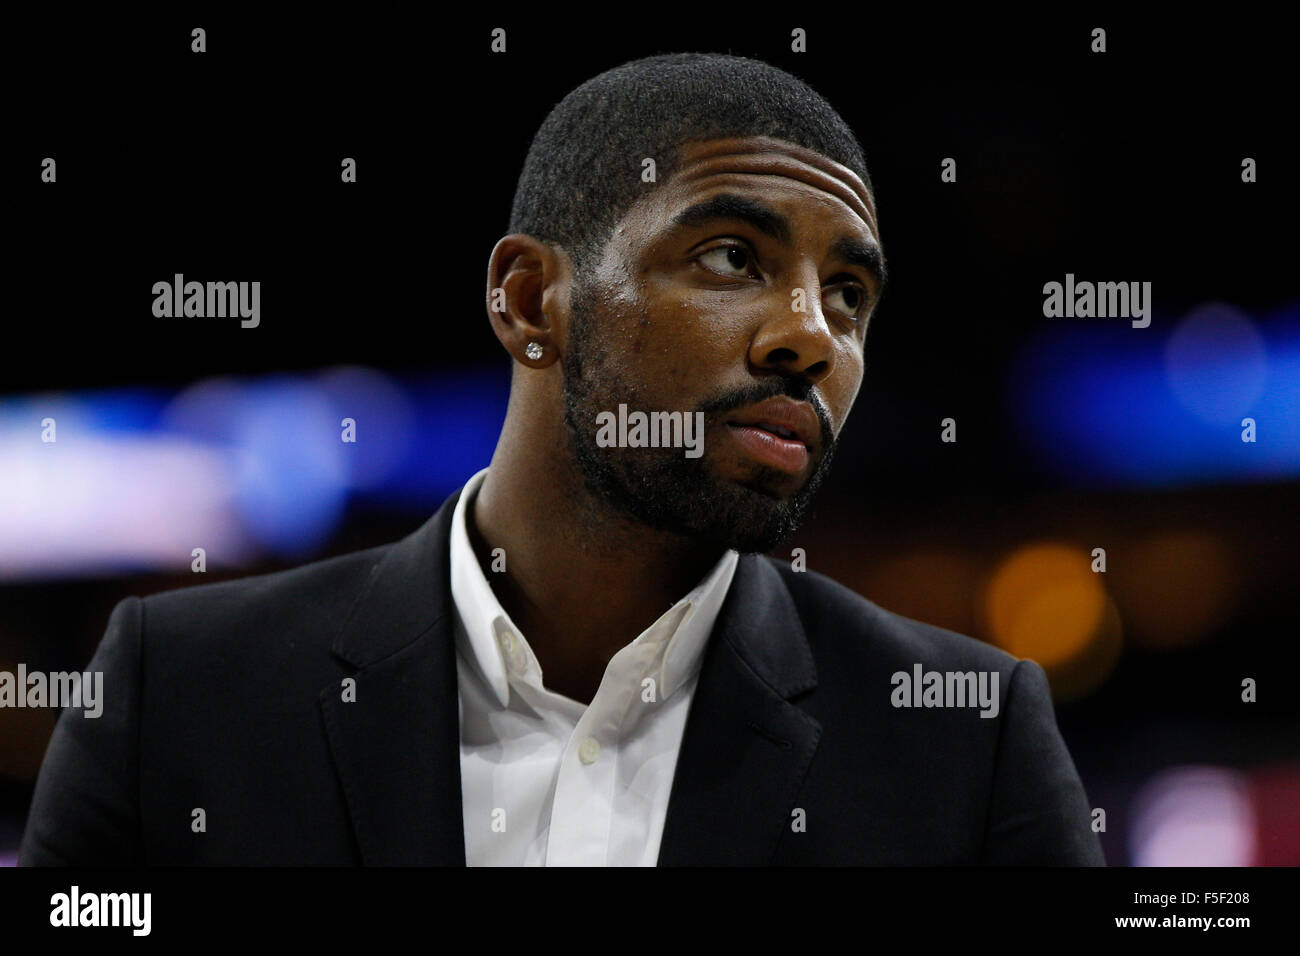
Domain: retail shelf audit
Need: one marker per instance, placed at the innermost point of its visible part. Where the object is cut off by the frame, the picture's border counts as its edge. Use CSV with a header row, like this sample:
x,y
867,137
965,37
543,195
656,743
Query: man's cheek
x,y
844,386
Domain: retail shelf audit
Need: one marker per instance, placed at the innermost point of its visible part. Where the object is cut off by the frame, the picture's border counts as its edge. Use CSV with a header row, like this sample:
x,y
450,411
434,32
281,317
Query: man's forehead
x,y
702,160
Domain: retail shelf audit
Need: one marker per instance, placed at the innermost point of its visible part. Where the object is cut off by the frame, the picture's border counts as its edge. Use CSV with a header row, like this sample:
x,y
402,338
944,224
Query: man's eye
x,y
849,299
729,260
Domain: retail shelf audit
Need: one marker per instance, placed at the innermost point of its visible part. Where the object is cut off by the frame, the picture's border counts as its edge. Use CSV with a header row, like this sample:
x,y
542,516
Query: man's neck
x,y
580,582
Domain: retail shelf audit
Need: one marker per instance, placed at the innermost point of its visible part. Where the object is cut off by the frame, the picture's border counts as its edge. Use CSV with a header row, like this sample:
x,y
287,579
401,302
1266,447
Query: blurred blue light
x,y
1104,403
458,418
381,420
1217,363
233,463
126,409
292,479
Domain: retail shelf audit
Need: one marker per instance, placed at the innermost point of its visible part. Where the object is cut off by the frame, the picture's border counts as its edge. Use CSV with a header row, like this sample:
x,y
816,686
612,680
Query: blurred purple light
x,y
1193,816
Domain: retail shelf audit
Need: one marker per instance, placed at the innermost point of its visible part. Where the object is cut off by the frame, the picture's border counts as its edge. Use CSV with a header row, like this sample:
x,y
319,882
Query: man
x,y
583,657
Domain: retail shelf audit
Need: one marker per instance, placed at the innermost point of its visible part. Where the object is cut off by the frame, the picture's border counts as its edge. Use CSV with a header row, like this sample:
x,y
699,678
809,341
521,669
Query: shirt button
x,y
513,652
588,750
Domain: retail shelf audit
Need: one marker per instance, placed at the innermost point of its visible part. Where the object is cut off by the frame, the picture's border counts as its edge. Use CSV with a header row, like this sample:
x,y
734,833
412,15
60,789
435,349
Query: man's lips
x,y
783,417
778,432
785,454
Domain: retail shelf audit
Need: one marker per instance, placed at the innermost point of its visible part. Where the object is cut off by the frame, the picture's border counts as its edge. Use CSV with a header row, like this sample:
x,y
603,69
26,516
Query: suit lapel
x,y
745,749
744,753
397,746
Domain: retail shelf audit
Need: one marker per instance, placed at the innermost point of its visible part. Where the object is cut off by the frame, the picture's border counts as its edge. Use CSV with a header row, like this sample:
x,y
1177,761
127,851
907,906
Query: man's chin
x,y
747,517
720,503
770,484
750,515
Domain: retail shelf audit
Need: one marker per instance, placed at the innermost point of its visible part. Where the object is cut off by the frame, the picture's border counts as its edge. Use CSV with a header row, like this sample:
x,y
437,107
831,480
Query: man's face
x,y
695,306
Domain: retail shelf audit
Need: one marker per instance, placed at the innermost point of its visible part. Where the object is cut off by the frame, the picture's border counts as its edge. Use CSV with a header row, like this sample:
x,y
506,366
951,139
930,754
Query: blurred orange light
x,y
929,585
1044,602
1175,588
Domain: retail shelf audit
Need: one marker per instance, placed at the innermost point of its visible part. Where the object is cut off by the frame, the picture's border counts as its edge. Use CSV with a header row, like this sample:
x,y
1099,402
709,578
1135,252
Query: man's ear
x,y
527,298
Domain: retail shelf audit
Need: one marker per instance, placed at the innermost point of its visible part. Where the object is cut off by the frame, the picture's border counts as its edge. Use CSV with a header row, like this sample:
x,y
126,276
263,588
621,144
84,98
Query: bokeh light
x,y
1175,588
927,584
1217,364
1044,602
1193,816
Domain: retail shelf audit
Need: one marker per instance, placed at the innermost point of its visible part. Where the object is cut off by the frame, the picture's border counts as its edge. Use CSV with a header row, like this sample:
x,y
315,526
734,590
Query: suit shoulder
x,y
313,598
834,614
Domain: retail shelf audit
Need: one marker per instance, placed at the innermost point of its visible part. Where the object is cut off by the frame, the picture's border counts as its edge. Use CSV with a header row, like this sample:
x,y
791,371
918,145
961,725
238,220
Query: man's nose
x,y
794,342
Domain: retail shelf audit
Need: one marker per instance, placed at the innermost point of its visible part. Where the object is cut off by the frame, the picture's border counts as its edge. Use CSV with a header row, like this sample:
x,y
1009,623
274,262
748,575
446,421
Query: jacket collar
x,y
396,745
746,748
406,596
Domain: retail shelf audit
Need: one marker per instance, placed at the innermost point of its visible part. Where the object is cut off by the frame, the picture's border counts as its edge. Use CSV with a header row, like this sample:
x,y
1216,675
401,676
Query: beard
x,y
662,489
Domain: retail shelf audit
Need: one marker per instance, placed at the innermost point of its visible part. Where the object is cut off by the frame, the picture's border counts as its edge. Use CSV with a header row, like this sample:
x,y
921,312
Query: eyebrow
x,y
729,206
771,223
858,253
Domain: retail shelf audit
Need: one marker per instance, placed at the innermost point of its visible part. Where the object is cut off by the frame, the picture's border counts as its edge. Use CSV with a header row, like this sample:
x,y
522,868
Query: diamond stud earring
x,y
534,351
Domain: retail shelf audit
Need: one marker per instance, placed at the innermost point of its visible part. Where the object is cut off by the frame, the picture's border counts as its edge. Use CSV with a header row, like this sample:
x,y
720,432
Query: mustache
x,y
795,387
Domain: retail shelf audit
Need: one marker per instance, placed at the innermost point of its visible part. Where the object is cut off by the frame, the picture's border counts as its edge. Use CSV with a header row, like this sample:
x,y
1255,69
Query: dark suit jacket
x,y
228,697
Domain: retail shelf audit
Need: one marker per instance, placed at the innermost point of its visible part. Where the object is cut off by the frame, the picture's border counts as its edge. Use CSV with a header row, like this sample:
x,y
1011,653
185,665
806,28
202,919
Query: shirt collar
x,y
700,611
685,626
481,615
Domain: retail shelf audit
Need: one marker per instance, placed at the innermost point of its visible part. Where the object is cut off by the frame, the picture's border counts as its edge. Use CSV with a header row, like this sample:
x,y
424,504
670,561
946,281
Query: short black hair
x,y
583,169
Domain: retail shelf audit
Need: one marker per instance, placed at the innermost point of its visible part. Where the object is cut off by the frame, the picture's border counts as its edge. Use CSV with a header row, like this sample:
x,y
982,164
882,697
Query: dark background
x,y
1115,166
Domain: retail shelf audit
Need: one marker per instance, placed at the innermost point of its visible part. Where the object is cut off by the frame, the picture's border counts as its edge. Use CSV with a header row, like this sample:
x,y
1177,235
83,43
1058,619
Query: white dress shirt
x,y
545,780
